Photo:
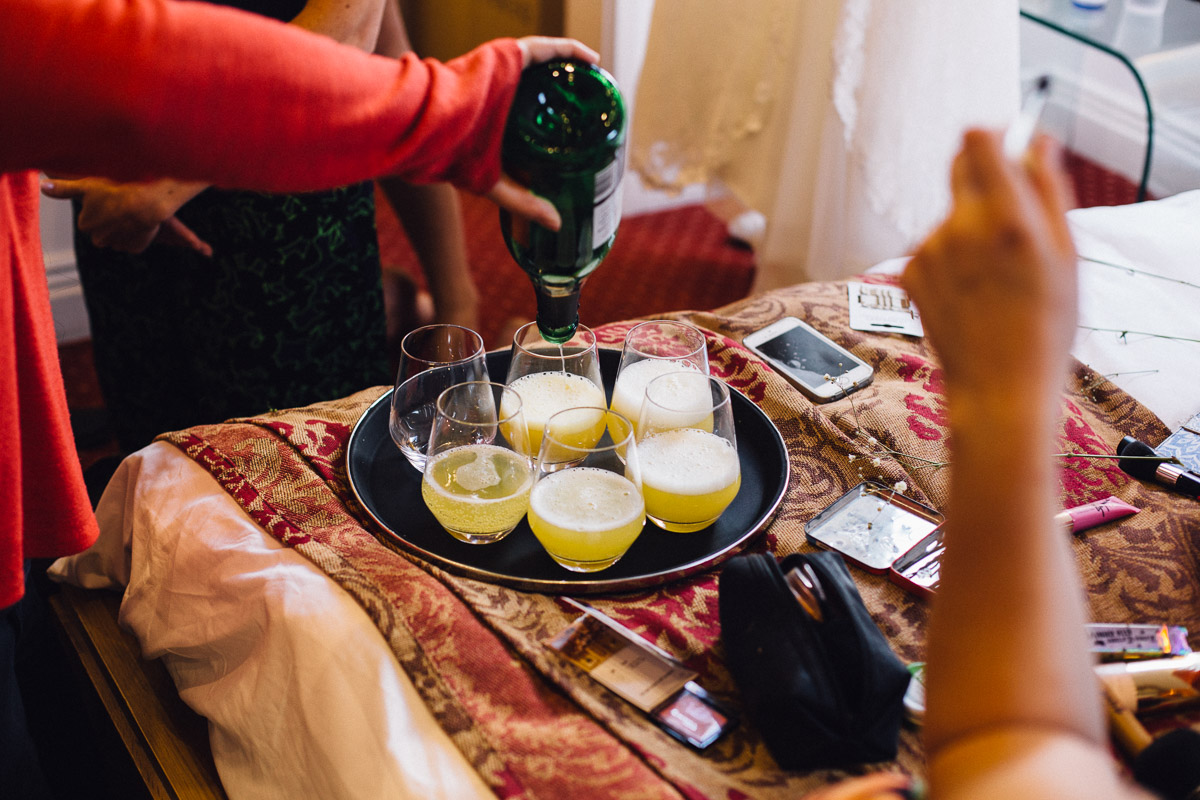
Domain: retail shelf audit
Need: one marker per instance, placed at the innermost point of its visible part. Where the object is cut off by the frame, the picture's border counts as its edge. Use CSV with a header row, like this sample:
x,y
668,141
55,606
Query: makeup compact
x,y
880,530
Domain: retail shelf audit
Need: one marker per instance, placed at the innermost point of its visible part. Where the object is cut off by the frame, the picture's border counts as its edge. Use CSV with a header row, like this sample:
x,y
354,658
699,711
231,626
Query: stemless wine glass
x,y
586,505
478,474
688,450
432,359
440,345
652,349
551,377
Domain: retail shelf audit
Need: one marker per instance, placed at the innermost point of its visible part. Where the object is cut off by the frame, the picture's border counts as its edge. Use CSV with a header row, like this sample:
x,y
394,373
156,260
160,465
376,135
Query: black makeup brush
x,y
1145,467
1168,765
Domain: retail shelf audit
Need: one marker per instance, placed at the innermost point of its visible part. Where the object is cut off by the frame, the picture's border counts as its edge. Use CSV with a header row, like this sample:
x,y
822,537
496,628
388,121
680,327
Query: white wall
x,y
66,296
619,29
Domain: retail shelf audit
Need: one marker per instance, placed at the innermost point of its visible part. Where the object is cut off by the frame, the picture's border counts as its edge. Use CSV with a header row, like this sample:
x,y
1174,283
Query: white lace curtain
x,y
837,119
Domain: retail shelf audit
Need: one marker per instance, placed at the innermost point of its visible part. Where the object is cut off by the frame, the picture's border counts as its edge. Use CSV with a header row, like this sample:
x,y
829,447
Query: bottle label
x,y
606,211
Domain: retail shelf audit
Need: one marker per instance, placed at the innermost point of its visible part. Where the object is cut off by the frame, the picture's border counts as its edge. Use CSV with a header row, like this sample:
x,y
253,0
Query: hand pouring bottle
x,y
564,140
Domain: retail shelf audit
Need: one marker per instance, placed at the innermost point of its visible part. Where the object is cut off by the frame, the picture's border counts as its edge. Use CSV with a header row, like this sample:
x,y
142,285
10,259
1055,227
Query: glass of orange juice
x,y
550,377
586,505
652,349
687,448
478,474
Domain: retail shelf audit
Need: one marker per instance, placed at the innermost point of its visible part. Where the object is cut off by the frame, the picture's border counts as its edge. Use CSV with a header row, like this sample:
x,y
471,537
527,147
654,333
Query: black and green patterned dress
x,y
288,311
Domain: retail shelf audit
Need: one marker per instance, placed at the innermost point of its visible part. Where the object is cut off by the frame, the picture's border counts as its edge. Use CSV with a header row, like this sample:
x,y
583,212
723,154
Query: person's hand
x,y
507,193
537,49
877,786
995,282
129,216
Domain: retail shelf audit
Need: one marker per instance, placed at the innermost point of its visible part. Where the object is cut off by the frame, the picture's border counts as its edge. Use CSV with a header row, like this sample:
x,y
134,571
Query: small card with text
x,y
882,308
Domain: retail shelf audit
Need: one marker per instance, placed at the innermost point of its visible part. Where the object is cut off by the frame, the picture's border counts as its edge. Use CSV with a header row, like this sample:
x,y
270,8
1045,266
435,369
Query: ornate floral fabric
x,y
533,725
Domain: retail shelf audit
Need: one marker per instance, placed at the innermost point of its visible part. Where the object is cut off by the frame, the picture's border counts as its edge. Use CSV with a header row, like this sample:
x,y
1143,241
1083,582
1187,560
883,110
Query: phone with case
x,y
820,368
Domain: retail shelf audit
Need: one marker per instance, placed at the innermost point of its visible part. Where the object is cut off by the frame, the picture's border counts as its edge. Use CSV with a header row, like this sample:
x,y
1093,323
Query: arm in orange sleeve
x,y
134,89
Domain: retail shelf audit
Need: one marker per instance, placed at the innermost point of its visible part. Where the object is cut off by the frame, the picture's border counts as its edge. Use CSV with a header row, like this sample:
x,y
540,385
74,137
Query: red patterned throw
x,y
532,724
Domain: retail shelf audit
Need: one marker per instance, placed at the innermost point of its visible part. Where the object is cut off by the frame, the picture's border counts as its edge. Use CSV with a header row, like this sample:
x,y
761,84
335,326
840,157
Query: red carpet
x,y
1096,186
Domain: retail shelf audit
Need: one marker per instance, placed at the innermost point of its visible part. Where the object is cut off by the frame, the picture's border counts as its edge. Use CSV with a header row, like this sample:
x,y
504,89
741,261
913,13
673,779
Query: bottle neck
x,y
557,312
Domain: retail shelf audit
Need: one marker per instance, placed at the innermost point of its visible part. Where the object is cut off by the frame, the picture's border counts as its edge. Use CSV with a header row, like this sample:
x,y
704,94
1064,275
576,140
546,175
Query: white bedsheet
x,y
303,695
1136,310
1162,238
304,698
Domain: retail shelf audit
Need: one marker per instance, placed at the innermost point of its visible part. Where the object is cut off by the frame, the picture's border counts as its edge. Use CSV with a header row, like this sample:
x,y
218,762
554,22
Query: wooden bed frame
x,y
166,741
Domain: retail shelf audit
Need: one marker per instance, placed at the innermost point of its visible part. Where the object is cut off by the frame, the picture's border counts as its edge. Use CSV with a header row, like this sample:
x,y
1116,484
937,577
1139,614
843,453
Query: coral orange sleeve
x,y
134,89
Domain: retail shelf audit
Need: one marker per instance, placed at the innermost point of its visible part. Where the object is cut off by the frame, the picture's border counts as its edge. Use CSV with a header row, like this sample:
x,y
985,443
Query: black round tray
x,y
389,488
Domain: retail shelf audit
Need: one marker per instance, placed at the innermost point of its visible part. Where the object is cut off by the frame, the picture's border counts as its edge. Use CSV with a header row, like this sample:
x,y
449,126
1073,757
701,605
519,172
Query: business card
x,y
882,308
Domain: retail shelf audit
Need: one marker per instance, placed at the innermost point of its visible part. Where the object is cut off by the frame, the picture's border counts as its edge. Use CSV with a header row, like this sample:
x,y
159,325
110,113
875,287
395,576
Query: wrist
x,y
1028,395
995,419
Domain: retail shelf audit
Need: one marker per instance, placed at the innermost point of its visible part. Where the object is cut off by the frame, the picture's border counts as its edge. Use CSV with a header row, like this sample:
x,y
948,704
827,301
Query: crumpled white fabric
x,y
1137,311
909,76
303,696
836,119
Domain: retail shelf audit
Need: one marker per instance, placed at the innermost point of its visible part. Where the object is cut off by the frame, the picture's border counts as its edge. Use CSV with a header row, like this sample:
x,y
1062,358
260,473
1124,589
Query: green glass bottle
x,y
565,139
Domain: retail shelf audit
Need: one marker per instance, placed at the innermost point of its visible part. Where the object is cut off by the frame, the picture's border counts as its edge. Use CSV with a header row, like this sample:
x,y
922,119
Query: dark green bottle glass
x,y
565,139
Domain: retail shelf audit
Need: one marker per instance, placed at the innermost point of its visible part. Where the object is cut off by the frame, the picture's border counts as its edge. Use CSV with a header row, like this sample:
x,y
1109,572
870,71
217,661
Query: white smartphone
x,y
806,357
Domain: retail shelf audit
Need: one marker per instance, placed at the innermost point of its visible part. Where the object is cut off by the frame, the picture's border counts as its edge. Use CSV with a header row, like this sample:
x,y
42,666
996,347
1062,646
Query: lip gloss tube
x,y
1089,515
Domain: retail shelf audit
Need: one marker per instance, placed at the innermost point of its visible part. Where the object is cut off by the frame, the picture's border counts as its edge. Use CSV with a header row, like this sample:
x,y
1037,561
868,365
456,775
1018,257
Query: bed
x,y
330,665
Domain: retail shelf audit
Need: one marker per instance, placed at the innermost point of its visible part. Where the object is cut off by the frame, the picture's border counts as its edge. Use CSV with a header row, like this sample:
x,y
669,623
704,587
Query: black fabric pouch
x,y
824,692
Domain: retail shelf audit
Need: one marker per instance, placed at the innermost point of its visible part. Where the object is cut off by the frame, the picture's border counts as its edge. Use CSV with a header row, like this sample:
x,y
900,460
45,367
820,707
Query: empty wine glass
x,y
478,474
687,447
432,359
652,349
586,505
440,345
551,377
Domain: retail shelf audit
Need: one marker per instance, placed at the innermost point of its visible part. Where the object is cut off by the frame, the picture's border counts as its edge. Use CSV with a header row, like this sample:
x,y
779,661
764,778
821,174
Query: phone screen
x,y
809,358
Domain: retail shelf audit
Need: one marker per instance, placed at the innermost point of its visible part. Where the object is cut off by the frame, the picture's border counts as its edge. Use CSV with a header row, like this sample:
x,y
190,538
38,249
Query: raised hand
x,y
995,283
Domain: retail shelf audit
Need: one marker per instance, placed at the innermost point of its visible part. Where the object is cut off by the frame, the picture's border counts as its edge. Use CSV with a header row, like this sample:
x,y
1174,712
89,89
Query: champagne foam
x,y
688,461
545,393
631,383
586,499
